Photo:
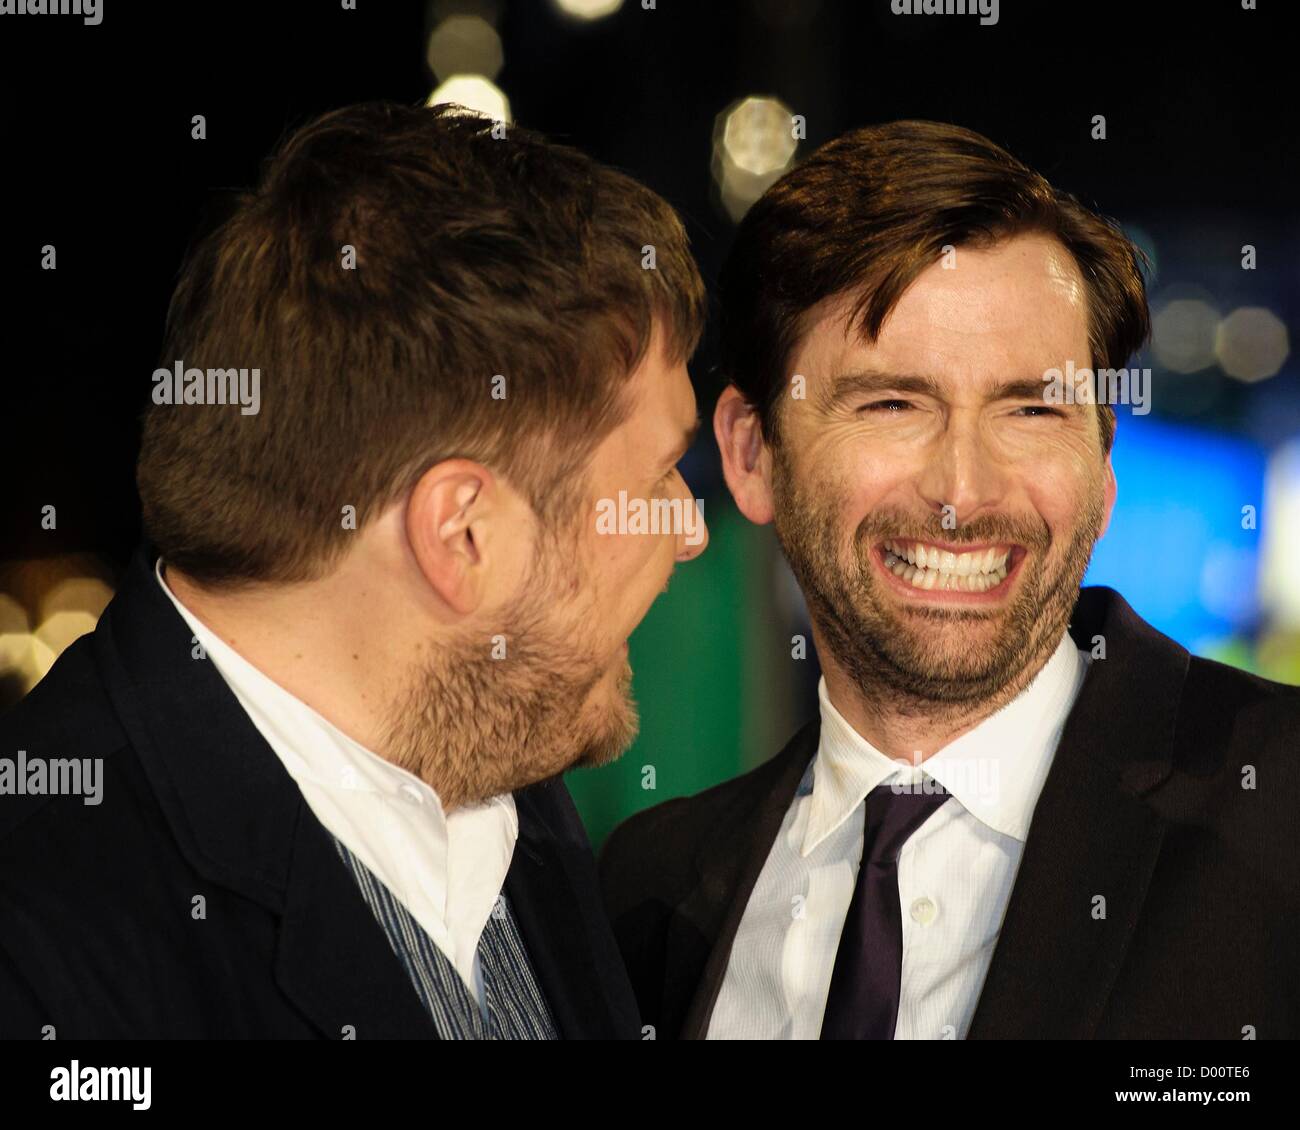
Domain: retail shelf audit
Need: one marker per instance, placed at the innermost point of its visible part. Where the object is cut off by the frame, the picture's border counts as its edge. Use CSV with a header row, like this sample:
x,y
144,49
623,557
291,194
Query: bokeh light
x,y
587,9
1251,343
1183,334
465,45
754,143
478,95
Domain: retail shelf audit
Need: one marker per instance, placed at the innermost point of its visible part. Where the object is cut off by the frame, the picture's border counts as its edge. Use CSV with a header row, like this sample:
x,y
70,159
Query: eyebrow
x,y
868,381
684,444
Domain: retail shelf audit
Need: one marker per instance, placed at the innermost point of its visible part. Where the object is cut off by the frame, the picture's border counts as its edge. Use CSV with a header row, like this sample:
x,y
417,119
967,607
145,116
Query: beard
x,y
924,657
472,726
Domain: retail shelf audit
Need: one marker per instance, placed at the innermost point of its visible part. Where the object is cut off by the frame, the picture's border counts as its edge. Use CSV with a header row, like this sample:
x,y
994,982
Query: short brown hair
x,y
869,211
476,255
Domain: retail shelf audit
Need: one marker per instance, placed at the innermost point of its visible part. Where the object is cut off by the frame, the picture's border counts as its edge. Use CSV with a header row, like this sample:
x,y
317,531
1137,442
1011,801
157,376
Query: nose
x,y
693,537
962,471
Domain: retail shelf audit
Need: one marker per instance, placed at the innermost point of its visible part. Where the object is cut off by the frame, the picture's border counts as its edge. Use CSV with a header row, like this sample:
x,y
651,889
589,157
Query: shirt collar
x,y
995,771
311,747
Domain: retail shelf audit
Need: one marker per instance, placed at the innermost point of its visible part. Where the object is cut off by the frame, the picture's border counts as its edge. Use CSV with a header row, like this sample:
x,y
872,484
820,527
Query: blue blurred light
x,y
1176,548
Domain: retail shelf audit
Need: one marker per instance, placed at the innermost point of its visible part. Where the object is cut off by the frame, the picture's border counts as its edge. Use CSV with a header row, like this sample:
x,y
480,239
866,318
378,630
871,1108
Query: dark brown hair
x,y
476,255
868,212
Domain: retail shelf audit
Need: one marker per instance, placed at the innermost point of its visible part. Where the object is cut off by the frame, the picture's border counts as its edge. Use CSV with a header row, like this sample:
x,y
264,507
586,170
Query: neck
x,y
910,729
315,639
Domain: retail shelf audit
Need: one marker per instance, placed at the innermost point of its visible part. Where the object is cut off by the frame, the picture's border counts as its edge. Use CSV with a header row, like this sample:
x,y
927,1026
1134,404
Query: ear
x,y
746,459
1112,489
450,513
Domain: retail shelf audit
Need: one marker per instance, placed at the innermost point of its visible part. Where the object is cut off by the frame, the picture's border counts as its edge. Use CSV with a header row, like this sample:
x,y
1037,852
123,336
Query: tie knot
x,y
894,812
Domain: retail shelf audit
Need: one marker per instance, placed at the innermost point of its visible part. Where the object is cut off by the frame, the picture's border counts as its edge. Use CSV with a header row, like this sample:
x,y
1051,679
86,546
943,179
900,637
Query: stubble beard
x,y
922,658
472,726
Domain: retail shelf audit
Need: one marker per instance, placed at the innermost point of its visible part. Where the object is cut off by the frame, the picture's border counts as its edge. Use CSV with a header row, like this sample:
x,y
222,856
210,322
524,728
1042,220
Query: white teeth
x,y
928,567
984,562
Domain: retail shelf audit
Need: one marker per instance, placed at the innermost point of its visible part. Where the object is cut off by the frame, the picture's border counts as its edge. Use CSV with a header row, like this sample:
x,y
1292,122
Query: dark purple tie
x,y
863,1000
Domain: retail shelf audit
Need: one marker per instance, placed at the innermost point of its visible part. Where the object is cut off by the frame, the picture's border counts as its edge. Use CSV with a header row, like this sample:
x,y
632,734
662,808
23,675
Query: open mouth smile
x,y
977,574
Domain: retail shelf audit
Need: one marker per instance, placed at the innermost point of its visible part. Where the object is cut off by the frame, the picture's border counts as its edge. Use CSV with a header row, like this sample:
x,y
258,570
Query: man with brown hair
x,y
1022,812
379,619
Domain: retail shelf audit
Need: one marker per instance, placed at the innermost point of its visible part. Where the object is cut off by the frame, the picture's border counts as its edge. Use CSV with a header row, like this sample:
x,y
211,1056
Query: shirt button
x,y
923,911
411,794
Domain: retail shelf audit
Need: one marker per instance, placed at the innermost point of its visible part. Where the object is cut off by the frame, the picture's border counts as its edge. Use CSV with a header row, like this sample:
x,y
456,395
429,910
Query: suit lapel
x,y
711,914
1091,838
545,872
241,822
333,959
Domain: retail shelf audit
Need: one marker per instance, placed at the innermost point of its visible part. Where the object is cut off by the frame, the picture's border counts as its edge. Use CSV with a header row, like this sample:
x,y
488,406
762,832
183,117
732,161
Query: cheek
x,y
1061,493
630,555
859,481
631,569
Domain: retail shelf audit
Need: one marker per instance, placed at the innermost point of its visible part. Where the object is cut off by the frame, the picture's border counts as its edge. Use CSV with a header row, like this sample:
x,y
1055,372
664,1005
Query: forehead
x,y
660,388
1018,305
661,406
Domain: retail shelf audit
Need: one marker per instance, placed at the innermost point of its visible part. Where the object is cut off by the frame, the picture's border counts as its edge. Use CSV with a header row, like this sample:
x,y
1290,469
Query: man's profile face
x,y
562,696
938,513
618,569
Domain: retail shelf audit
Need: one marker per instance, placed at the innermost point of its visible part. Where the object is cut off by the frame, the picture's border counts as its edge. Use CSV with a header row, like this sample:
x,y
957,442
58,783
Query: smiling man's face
x,y
938,513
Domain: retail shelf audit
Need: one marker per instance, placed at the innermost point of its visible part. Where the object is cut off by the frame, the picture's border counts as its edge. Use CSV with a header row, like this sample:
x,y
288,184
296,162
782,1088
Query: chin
x,y
615,721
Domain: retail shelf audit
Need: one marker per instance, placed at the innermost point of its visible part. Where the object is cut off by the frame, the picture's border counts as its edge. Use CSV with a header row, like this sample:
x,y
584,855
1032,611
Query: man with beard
x,y
1022,812
376,620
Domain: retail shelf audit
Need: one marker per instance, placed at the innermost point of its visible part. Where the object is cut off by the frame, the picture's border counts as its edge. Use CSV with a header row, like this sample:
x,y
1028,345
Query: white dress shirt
x,y
955,872
446,869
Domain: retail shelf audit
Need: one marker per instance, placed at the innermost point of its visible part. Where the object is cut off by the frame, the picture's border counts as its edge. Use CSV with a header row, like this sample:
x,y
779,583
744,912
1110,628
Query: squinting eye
x,y
885,406
1040,408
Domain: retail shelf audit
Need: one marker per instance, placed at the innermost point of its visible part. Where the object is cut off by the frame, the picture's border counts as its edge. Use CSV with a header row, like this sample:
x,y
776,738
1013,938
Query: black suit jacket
x,y
96,932
1144,804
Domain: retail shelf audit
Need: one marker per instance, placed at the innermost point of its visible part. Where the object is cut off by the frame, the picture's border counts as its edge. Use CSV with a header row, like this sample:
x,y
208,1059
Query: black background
x,y
99,161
